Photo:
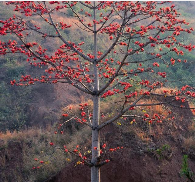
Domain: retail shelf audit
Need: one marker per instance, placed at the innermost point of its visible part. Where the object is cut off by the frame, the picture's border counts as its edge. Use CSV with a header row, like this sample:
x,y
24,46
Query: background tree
x,y
140,38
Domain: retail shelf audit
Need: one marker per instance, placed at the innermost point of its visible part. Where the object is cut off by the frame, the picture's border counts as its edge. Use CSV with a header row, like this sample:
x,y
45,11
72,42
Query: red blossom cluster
x,y
112,29
110,93
155,64
133,94
163,74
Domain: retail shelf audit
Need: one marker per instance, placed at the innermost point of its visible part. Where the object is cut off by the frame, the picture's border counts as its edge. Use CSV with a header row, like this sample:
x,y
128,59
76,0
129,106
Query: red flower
x,y
158,55
155,64
111,150
51,143
83,114
65,115
123,43
104,145
146,115
75,150
128,29
177,98
13,82
172,61
132,108
84,158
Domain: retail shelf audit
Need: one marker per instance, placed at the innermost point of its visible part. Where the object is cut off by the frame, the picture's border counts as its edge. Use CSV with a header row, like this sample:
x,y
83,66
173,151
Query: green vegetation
x,y
163,152
13,100
185,170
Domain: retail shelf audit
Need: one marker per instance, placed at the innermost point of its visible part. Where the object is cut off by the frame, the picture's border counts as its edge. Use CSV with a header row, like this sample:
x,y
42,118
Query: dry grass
x,y
191,128
189,143
154,109
169,91
36,145
20,135
144,136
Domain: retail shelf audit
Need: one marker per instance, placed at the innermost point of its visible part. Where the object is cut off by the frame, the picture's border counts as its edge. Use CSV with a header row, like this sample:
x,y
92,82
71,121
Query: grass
x,y
189,143
39,160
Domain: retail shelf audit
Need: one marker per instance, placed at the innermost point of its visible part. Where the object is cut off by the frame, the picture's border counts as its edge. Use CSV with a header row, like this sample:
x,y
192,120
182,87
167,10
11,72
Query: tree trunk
x,y
95,171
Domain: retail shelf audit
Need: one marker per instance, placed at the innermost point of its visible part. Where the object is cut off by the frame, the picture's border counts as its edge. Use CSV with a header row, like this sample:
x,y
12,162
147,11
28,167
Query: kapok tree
x,y
128,42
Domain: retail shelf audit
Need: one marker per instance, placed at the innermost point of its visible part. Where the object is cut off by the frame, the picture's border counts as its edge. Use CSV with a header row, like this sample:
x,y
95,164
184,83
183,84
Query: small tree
x,y
126,44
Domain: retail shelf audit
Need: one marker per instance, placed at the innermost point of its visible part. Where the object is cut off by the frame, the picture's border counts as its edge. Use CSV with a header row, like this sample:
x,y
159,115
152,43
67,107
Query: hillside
x,y
150,152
